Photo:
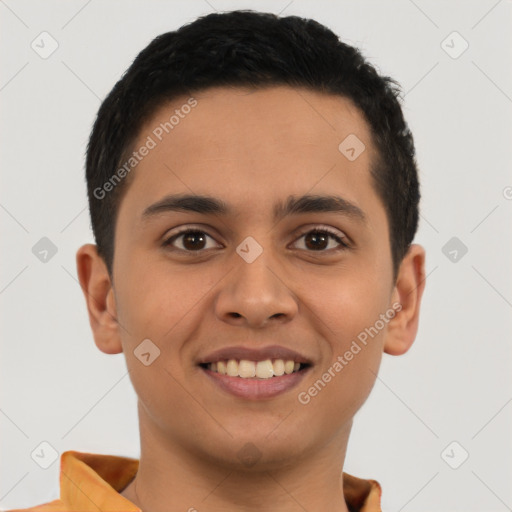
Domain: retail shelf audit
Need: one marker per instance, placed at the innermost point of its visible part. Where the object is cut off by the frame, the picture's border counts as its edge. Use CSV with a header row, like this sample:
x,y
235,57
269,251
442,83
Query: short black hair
x,y
252,49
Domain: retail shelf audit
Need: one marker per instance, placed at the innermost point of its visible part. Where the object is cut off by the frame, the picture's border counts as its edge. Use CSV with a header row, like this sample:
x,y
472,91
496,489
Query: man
x,y
254,196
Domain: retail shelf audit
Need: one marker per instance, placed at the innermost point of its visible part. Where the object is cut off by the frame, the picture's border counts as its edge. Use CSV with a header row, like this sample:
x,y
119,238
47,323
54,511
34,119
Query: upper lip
x,y
253,354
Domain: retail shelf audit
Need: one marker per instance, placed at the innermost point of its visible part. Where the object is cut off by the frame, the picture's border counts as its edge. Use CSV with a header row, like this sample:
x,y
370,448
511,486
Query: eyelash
x,y
332,234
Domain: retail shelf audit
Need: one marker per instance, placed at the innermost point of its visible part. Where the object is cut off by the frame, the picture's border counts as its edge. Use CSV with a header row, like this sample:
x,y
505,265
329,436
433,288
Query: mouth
x,y
246,369
255,380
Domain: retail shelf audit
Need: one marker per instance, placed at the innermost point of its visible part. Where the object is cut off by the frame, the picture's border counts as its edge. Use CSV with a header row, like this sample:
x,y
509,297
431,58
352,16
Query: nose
x,y
255,294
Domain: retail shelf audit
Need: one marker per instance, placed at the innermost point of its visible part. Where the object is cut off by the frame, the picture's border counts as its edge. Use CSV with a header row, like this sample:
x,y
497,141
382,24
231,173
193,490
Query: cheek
x,y
158,306
349,305
156,298
342,383
163,306
351,322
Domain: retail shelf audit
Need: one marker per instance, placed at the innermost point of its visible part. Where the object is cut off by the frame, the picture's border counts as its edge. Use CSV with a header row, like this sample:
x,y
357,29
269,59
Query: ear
x,y
408,290
99,297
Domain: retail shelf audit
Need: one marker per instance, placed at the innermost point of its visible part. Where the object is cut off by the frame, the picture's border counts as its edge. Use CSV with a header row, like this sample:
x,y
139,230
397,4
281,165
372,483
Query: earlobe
x,y
408,291
99,296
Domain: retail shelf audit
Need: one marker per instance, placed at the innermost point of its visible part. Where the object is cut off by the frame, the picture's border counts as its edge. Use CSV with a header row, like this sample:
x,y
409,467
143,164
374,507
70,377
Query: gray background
x,y
453,385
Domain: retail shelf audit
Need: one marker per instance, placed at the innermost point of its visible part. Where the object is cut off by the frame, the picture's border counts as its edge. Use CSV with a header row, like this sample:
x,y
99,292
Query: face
x,y
260,267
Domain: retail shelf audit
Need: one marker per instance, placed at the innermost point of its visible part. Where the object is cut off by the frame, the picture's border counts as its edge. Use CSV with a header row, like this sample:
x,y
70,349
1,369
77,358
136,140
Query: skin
x,y
250,148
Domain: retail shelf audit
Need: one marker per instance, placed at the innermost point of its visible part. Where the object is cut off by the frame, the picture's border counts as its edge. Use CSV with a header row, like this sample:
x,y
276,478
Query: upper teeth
x,y
248,369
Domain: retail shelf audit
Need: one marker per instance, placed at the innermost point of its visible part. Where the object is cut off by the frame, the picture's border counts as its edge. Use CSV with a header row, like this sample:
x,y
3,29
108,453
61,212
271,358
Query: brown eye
x,y
319,239
192,240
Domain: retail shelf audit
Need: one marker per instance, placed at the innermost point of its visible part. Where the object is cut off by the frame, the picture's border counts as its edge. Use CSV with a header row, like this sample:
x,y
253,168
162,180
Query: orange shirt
x,y
92,482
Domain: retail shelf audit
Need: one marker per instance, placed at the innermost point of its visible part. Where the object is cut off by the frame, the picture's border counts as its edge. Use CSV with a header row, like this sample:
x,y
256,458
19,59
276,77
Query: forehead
x,y
243,144
278,116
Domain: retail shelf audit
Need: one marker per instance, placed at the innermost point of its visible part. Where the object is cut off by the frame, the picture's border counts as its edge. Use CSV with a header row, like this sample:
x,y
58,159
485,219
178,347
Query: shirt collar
x,y
90,482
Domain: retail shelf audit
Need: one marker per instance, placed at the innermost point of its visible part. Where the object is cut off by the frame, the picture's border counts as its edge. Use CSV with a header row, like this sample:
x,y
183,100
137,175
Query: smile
x,y
255,380
246,369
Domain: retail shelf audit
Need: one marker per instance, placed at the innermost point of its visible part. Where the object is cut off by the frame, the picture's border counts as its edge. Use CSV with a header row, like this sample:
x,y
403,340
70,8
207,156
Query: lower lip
x,y
256,389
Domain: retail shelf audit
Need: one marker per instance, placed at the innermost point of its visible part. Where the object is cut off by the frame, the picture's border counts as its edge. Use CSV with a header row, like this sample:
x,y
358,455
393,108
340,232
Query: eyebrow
x,y
208,205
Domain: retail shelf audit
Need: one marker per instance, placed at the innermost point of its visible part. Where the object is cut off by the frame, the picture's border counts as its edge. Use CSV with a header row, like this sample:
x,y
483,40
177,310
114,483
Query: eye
x,y
193,240
318,239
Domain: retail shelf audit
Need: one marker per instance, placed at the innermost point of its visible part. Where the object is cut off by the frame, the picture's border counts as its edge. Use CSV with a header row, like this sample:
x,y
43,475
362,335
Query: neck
x,y
172,479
